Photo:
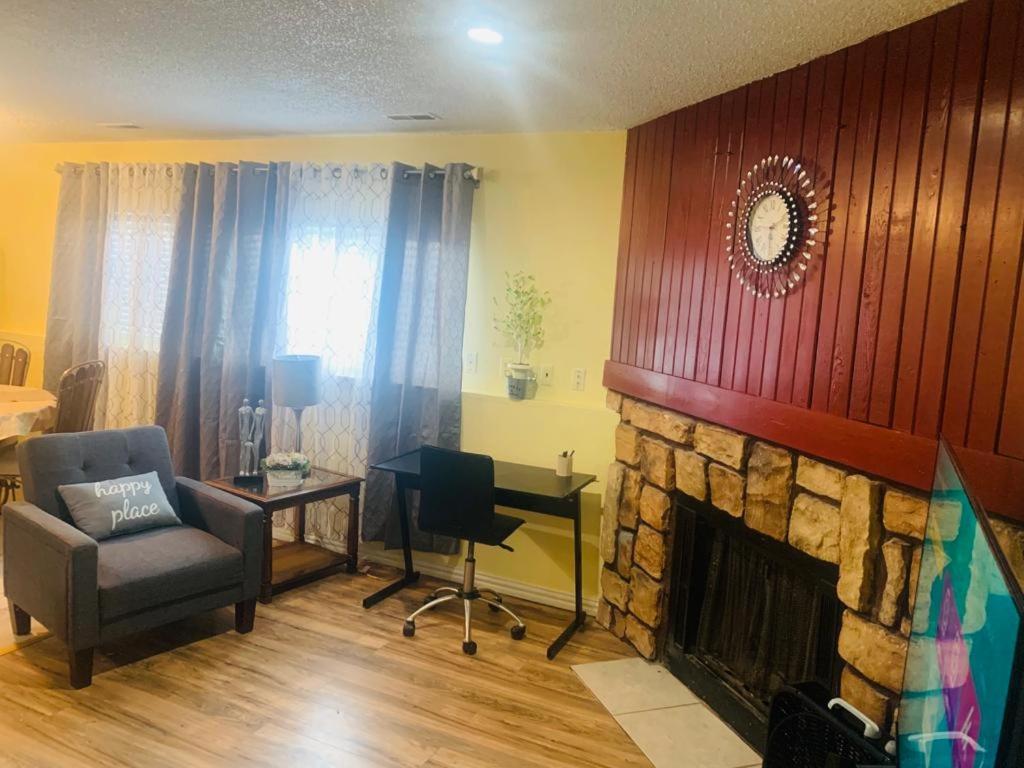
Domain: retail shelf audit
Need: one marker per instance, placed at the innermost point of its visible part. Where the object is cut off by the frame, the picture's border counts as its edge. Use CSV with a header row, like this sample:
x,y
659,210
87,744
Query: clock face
x,y
768,227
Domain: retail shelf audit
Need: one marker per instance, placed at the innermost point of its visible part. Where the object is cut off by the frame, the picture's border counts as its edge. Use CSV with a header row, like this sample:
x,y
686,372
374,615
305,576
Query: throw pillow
x,y
116,507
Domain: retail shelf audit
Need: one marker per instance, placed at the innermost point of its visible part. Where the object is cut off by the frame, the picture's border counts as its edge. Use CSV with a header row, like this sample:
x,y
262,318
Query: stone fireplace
x,y
866,530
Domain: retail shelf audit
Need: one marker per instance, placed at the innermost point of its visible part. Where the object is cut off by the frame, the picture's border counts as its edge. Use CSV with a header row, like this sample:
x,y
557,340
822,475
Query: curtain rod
x,y
474,174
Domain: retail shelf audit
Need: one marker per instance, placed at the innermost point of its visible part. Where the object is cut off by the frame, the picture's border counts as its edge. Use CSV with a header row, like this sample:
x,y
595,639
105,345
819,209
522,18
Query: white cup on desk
x,y
563,464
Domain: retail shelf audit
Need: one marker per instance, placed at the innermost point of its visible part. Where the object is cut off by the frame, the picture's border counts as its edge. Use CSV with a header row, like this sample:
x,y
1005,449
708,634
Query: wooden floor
x,y
319,682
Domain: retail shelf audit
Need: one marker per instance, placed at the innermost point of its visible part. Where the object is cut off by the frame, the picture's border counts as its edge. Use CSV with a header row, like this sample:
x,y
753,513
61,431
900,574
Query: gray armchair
x,y
89,592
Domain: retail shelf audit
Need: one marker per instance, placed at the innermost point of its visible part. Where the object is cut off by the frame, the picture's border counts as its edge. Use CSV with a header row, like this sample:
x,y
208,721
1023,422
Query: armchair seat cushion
x,y
142,571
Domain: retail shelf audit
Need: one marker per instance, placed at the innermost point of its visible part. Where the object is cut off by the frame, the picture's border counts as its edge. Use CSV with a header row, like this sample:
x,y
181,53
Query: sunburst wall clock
x,y
772,234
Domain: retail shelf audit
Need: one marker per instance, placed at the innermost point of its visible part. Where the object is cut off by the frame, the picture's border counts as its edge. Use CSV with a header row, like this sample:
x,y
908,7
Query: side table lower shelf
x,y
297,563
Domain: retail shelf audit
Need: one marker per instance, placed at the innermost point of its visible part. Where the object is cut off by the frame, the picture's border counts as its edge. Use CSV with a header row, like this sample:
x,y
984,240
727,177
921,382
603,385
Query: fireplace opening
x,y
747,615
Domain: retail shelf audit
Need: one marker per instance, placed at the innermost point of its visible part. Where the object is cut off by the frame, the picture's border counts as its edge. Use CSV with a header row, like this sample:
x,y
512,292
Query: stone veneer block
x,y
814,527
656,463
618,623
896,556
872,701
822,479
860,535
627,444
655,507
629,506
624,556
673,426
769,483
905,514
649,551
1011,537
613,401
874,651
614,589
641,637
610,510
605,614
691,473
720,444
645,598
915,572
726,489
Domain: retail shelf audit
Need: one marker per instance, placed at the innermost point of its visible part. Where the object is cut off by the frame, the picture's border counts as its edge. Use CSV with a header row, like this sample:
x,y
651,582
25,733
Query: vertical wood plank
x,y
901,220
959,161
879,223
625,226
680,194
925,218
725,285
749,304
638,239
860,208
751,150
690,194
824,167
763,308
835,254
783,312
984,196
993,394
698,248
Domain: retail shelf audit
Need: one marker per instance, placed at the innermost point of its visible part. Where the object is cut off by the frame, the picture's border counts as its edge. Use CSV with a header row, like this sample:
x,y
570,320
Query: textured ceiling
x,y
207,68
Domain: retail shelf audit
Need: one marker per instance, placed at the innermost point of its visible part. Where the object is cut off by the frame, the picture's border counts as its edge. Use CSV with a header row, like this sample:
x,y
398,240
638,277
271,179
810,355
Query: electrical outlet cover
x,y
579,379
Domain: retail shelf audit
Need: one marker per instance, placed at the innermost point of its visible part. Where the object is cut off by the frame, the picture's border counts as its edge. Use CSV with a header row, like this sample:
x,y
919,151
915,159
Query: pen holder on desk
x,y
563,466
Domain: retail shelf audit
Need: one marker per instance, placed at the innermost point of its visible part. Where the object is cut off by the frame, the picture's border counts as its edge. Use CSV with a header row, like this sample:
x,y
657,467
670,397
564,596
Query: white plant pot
x,y
522,381
284,478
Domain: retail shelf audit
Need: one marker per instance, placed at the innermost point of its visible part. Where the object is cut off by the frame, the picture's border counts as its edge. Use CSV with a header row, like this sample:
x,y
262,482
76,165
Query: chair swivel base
x,y
448,594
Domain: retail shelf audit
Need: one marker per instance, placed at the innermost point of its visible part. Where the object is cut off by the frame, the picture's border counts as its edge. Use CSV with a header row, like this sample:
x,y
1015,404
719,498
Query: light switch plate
x,y
579,379
546,374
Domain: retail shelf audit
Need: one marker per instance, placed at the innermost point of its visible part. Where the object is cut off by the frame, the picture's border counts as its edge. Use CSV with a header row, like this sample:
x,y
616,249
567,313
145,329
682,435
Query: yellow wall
x,y
549,205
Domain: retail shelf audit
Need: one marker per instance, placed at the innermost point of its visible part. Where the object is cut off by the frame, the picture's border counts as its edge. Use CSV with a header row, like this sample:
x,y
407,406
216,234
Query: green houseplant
x,y
521,320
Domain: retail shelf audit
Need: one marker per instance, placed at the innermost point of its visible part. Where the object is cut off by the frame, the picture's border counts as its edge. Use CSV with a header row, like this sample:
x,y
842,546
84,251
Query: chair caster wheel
x,y
469,648
518,632
409,628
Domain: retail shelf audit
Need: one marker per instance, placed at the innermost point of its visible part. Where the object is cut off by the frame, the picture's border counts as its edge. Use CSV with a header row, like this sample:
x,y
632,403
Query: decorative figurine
x,y
246,424
259,431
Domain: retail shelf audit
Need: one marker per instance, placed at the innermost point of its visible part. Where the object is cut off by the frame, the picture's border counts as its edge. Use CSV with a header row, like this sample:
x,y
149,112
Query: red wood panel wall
x,y
912,322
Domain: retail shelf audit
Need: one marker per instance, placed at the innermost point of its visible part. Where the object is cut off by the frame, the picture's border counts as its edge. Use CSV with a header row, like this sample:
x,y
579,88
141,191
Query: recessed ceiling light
x,y
485,35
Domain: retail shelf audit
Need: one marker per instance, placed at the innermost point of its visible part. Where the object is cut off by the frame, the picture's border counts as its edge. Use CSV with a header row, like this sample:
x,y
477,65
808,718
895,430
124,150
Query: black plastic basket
x,y
803,733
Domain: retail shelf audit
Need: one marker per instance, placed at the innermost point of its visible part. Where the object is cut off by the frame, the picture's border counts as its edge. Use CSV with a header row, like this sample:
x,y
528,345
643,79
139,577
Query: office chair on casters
x,y
457,500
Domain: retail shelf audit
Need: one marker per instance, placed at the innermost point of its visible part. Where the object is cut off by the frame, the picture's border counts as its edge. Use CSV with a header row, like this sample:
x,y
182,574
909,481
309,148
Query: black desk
x,y
519,486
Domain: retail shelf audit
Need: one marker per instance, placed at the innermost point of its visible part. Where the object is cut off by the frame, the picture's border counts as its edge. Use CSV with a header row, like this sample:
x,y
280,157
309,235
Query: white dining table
x,y
24,410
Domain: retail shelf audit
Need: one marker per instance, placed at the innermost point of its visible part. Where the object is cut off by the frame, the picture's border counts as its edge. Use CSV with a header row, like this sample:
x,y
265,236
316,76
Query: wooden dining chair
x,y
76,411
14,360
76,397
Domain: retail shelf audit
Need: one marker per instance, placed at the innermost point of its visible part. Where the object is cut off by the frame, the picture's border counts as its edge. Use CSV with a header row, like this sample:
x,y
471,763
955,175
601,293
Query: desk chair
x,y
457,500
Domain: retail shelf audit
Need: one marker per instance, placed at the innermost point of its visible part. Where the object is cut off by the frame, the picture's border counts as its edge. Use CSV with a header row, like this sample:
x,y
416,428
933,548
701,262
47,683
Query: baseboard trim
x,y
511,587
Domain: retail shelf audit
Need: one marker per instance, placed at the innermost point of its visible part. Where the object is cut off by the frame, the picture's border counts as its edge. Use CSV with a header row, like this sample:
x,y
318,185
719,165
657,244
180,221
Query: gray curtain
x,y
218,325
76,279
418,379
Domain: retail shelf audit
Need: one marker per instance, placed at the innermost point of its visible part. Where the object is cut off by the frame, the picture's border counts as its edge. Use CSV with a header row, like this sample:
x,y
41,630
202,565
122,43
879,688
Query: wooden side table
x,y
298,562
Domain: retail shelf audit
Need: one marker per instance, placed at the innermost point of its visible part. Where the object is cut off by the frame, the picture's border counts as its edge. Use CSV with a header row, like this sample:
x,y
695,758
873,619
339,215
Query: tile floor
x,y
671,725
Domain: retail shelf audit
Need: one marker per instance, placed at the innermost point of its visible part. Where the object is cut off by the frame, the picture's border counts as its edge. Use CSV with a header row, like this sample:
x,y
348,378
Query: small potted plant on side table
x,y
522,324
285,469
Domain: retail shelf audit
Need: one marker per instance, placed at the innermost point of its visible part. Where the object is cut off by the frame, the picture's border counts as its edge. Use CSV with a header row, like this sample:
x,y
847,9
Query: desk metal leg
x,y
410,576
577,557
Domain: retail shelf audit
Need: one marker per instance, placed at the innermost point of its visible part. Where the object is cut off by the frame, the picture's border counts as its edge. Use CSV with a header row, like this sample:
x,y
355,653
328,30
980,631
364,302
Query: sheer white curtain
x,y
335,231
111,261
143,202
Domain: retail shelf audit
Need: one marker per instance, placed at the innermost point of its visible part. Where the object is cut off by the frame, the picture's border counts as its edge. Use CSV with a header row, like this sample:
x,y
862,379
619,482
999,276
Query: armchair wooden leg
x,y
245,616
80,667
21,622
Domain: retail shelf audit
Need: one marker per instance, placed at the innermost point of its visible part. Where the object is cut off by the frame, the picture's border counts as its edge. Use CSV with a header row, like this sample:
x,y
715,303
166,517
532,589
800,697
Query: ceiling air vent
x,y
120,126
421,116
